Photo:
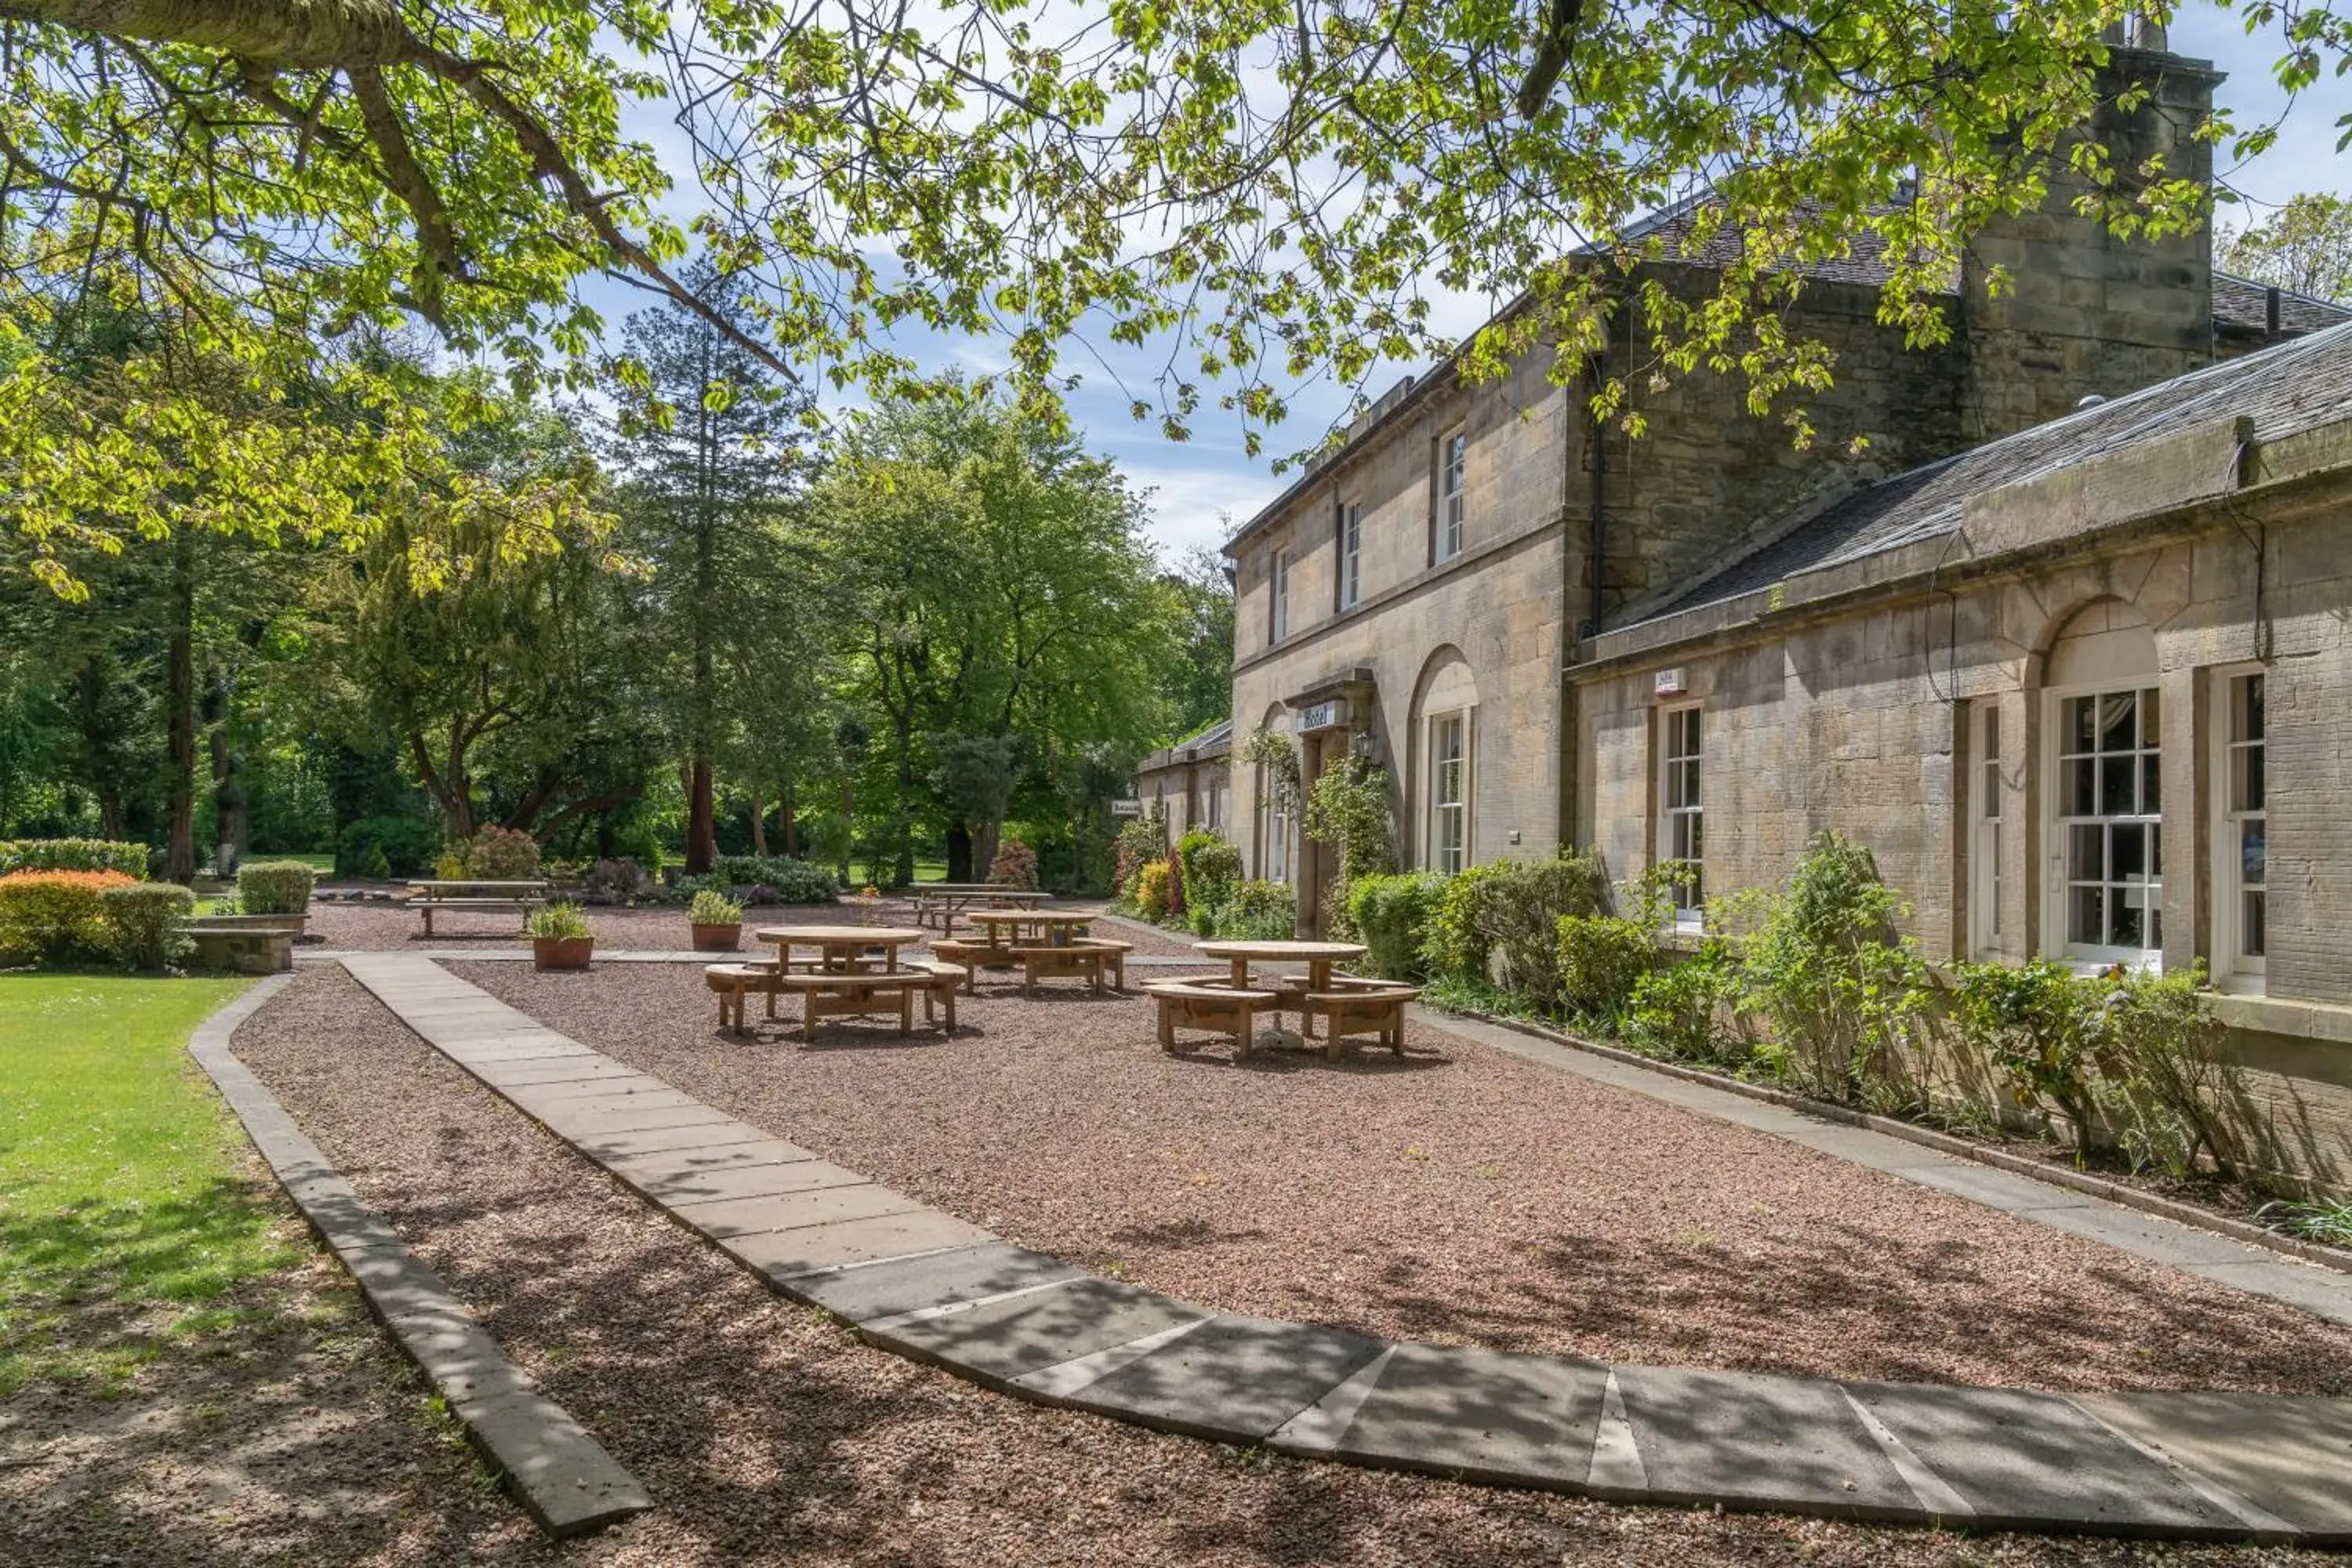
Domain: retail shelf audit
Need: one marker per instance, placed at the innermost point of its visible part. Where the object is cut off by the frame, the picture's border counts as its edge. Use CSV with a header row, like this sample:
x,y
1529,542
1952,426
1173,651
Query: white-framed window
x,y
1352,554
1273,831
2240,836
2107,822
1449,793
1682,827
1278,625
1452,470
1985,835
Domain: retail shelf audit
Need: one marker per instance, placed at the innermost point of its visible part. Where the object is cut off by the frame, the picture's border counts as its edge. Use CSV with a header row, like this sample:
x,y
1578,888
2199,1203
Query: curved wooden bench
x,y
1360,1011
836,995
735,982
1218,1008
1114,957
1070,961
974,956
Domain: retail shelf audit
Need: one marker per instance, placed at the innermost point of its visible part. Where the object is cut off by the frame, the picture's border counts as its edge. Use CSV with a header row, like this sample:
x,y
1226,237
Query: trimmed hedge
x,y
73,855
57,916
787,881
1394,913
145,922
274,888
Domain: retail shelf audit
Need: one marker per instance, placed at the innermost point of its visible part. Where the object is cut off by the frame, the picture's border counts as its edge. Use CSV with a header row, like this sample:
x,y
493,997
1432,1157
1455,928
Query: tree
x,y
2304,247
1201,677
709,439
1266,188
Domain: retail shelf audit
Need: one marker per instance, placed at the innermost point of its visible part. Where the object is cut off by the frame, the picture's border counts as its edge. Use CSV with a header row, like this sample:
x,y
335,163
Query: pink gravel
x,y
768,1436
1458,1195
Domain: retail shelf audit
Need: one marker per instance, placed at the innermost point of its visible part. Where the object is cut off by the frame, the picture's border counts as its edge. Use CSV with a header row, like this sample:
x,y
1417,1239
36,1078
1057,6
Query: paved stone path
x,y
930,1286
560,1475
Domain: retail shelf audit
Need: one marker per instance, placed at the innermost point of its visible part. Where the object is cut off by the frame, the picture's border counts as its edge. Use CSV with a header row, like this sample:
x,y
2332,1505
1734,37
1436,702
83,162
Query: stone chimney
x,y
2086,312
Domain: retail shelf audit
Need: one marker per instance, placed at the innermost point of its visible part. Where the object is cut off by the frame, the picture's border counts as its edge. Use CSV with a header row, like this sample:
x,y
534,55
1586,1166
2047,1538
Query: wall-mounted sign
x,y
1329,715
1670,682
1126,808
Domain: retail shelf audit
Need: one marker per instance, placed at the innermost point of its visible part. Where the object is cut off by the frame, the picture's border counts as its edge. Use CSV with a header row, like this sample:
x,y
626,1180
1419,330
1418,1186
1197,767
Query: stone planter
x,y
562,951
717,939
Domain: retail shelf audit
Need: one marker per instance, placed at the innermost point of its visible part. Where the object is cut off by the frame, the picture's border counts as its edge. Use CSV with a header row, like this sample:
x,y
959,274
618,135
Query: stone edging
x,y
1942,1142
563,1477
927,1286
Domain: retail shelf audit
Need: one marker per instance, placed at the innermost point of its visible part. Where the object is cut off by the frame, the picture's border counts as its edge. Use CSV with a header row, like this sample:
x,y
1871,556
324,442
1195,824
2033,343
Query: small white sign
x,y
1670,682
1126,808
1326,715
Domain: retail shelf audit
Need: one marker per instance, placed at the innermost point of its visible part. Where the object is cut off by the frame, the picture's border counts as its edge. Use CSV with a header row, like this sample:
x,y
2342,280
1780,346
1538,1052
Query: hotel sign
x,y
1326,715
1126,808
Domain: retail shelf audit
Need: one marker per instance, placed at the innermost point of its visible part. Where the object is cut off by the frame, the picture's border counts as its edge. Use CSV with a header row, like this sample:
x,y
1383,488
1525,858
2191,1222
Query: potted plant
x,y
718,921
559,937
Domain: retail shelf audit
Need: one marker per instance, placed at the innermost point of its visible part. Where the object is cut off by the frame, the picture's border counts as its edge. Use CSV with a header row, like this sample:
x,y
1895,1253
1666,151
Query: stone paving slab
x,y
782,1254
2012,1456
726,1217
1994,1188
561,1477
535,1074
2291,1458
1481,1415
564,1099
935,1280
603,1146
1004,1341
1234,1379
1794,1443
643,1172
2308,1285
568,1119
688,1190
608,1086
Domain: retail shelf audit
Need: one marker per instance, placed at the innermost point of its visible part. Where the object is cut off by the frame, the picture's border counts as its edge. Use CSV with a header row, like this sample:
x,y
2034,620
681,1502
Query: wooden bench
x,y
973,957
735,982
1114,957
940,993
1070,962
1221,1009
834,994
521,903
1359,1010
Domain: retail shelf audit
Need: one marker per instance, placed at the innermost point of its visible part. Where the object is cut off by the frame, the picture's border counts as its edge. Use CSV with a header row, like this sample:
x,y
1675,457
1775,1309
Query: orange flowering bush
x,y
55,915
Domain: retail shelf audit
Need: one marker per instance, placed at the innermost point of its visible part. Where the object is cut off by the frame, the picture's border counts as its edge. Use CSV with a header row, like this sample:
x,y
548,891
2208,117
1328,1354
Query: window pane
x,y
2117,730
2246,716
2246,784
1992,734
2252,937
2117,795
2087,917
2082,788
2149,710
2149,785
1991,790
2127,853
1698,848
2081,728
2252,869
2087,860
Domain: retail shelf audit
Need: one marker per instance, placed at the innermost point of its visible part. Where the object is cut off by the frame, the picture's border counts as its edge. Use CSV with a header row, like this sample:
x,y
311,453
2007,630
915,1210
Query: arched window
x,y
1445,740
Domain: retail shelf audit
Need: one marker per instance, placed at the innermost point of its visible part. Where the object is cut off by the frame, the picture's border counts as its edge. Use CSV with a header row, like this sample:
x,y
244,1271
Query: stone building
x,y
1424,595
1191,782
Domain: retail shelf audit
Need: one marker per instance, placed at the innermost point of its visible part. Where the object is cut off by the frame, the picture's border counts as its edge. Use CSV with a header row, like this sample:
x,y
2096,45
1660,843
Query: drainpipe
x,y
1596,372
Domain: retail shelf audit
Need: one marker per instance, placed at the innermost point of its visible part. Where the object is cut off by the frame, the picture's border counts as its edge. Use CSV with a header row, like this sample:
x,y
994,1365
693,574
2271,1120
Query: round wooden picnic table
x,y
1318,957
1019,923
839,947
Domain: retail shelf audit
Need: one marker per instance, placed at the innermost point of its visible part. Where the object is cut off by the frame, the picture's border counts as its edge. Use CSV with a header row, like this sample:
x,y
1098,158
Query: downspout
x,y
1596,370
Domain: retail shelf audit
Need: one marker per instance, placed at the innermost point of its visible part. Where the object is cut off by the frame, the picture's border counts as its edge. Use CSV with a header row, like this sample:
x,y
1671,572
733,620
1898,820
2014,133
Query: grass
x,y
124,1226
2324,1220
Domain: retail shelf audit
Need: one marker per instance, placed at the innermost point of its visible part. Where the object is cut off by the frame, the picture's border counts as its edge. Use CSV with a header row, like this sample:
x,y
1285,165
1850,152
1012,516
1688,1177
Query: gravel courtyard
x,y
1456,1196
768,1436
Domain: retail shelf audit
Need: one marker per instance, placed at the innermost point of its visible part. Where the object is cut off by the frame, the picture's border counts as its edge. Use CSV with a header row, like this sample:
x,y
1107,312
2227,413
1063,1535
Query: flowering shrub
x,y
1015,866
1152,887
52,916
501,854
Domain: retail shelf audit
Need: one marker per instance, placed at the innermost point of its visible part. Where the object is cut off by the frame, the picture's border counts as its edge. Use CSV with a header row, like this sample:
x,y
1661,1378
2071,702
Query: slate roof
x,y
2294,386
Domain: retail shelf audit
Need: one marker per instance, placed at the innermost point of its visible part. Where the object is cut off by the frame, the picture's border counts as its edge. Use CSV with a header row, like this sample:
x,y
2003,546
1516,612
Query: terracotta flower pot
x,y
717,939
562,951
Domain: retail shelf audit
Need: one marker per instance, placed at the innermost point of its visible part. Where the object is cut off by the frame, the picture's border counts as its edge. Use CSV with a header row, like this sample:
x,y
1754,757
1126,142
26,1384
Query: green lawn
x,y
124,1224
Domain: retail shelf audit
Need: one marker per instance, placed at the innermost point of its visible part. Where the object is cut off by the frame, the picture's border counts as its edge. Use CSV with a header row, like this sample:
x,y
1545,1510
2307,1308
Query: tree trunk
x,y
903,873
701,829
850,832
960,856
787,818
984,848
228,776
180,849
759,823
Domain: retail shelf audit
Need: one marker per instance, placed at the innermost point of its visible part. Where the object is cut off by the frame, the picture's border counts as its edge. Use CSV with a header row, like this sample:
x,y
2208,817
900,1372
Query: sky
x,y
1200,488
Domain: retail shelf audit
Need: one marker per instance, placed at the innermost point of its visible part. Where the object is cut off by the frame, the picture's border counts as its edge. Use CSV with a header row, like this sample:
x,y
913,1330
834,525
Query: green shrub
x,y
450,865
1602,959
56,917
502,855
558,922
1210,867
2038,1025
1845,996
1151,884
381,846
1500,922
1391,915
1260,911
1141,839
767,880
2171,1086
2328,1221
1685,1008
144,923
1347,808
1202,920
73,855
712,908
274,887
